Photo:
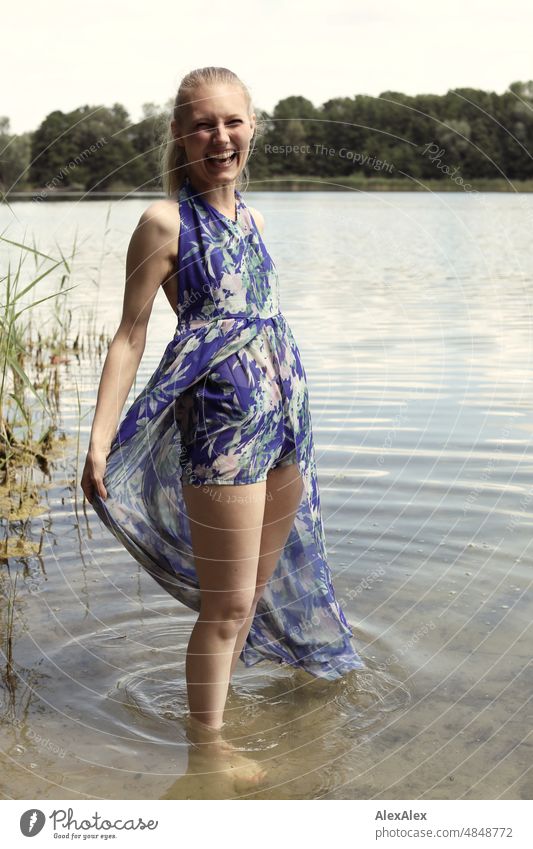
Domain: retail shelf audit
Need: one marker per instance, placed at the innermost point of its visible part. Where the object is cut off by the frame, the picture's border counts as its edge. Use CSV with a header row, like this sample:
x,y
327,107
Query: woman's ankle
x,y
201,732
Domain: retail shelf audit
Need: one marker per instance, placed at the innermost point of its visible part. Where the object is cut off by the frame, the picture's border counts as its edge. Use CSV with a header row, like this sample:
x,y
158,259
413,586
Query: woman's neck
x,y
222,198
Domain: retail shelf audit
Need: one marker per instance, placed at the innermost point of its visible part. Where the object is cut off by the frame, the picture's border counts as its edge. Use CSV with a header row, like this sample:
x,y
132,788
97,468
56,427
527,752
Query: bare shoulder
x,y
158,229
258,218
164,214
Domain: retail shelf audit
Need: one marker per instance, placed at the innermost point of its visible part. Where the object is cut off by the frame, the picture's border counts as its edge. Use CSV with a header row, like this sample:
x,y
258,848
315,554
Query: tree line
x,y
466,134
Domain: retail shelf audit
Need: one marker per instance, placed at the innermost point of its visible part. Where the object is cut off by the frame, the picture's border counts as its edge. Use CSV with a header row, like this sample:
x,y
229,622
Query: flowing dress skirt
x,y
298,620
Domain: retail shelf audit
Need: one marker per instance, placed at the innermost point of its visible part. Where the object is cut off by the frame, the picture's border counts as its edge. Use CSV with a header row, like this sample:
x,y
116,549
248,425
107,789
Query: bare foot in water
x,y
211,747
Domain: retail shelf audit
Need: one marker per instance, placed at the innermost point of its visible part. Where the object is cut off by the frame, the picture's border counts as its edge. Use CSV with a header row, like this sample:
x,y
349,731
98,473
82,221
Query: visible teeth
x,y
222,155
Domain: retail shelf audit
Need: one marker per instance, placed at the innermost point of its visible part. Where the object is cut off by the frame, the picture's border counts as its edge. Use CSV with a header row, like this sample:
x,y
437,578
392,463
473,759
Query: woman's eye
x,y
208,126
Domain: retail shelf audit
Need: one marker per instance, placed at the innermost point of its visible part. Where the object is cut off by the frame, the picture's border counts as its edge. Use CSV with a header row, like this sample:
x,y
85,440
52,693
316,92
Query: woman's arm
x,y
150,260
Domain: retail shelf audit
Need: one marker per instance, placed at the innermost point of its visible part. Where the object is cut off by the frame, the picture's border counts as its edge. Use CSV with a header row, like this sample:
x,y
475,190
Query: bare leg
x,y
226,524
283,497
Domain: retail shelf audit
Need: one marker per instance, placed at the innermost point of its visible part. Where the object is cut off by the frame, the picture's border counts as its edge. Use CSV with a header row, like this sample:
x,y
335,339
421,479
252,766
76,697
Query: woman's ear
x,y
175,132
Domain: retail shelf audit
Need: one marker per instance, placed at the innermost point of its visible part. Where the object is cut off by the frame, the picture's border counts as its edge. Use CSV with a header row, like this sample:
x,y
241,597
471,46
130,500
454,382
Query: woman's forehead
x,y
223,100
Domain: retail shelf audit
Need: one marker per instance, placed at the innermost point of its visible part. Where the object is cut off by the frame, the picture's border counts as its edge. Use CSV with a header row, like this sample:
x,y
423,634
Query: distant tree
x,y
515,112
293,124
89,148
14,157
477,109
146,137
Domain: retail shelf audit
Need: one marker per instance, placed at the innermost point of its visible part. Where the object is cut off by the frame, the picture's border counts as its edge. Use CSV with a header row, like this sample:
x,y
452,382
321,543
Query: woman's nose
x,y
220,133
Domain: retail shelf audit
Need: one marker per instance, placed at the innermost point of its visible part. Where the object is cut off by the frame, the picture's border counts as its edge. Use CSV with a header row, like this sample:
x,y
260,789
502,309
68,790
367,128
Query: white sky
x,y
60,55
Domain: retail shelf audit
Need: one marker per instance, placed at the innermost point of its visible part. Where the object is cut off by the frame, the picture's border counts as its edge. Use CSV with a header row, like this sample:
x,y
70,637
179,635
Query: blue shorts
x,y
234,424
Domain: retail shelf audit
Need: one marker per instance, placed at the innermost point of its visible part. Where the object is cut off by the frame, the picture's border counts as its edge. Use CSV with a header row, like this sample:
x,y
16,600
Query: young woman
x,y
210,481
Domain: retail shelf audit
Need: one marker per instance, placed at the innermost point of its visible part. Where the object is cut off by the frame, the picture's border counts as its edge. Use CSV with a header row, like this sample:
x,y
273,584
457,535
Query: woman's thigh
x,y
283,497
226,526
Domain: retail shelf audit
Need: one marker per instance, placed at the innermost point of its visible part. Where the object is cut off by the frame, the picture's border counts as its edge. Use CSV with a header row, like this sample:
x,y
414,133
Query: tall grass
x,y
19,390
29,392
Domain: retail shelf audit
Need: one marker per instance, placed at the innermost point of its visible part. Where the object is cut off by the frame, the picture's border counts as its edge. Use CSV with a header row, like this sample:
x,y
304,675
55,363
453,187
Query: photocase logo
x,y
31,822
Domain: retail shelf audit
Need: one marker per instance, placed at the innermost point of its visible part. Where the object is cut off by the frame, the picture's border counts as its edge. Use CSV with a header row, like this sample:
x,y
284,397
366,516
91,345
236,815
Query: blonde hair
x,y
172,155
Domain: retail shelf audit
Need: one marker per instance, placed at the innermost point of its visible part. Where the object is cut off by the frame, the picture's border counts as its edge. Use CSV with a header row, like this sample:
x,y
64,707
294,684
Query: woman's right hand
x,y
92,479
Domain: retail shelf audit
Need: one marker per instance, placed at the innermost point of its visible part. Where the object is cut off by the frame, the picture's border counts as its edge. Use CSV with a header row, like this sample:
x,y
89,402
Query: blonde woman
x,y
210,480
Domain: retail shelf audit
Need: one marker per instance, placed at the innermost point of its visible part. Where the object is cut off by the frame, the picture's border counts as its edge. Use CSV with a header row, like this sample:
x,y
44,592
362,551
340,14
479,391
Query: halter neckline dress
x,y
228,304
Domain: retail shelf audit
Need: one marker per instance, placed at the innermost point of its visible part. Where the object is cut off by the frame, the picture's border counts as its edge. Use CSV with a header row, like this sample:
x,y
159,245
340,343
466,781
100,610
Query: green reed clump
x,y
34,341
22,388
29,385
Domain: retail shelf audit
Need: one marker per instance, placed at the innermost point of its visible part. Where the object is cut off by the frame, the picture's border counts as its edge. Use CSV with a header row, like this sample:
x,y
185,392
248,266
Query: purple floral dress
x,y
233,339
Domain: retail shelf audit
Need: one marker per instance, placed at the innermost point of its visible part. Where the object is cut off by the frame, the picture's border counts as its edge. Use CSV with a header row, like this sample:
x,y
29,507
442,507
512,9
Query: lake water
x,y
413,314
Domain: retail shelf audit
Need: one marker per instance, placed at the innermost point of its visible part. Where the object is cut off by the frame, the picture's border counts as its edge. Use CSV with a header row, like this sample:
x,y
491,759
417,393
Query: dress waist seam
x,y
196,323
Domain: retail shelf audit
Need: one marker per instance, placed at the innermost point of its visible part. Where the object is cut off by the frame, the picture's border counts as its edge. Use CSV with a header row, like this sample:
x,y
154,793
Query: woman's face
x,y
215,122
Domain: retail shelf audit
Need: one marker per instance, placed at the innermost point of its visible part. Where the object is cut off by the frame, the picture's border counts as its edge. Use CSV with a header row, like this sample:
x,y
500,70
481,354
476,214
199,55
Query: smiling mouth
x,y
222,160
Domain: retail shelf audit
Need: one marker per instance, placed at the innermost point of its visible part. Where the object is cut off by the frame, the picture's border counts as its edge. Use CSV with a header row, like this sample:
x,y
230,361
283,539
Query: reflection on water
x,y
412,314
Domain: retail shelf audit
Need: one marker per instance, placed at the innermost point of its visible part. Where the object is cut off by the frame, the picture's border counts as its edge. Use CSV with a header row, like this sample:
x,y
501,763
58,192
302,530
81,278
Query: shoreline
x,y
295,184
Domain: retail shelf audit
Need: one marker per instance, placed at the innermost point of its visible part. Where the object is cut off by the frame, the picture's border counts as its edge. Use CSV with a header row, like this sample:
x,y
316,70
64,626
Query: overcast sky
x,y
60,55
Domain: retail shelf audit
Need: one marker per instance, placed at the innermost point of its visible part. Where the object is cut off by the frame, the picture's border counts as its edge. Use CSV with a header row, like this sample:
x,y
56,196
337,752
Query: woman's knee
x,y
227,618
